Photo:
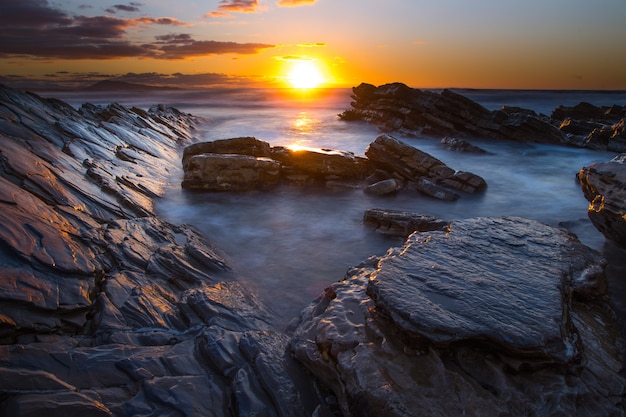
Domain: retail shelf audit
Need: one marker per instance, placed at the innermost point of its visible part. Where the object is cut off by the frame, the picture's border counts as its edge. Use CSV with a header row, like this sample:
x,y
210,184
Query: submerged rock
x,y
604,186
500,316
401,223
456,144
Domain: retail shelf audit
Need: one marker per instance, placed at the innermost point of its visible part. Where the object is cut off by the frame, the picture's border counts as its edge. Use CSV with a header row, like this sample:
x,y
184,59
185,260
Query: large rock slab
x,y
491,316
604,185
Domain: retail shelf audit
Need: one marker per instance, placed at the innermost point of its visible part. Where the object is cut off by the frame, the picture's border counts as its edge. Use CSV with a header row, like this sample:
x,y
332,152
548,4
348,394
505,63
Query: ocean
x,y
288,244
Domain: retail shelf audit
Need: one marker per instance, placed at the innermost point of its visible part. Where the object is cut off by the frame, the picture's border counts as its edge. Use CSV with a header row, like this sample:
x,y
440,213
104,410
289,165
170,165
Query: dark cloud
x,y
132,7
178,49
71,80
239,6
32,28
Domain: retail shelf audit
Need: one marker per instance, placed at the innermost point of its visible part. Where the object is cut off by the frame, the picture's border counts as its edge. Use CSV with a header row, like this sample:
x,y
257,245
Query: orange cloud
x,y
219,15
239,6
295,3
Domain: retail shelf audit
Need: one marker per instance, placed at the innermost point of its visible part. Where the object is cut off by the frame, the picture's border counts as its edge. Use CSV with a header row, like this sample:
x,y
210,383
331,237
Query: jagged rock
x,y
595,127
383,187
604,186
490,316
584,111
217,172
456,144
105,308
401,223
390,154
396,107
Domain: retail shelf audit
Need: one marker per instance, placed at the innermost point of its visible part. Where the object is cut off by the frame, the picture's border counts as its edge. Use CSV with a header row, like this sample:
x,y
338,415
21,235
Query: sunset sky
x,y
535,44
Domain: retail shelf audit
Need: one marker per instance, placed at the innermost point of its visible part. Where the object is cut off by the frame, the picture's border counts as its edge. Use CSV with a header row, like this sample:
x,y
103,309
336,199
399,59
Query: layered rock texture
x,y
489,316
604,185
390,165
107,310
396,107
104,308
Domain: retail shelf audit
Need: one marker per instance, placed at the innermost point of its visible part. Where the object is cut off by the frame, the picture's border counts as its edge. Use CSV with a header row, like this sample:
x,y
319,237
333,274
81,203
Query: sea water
x,y
289,243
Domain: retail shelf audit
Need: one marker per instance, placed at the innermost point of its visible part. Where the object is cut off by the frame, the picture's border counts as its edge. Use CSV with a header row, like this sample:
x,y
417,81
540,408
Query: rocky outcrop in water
x,y
595,127
398,108
409,163
604,185
248,163
105,309
486,317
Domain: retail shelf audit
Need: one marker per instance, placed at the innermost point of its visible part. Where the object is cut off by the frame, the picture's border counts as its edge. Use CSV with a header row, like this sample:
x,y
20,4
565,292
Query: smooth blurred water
x,y
289,243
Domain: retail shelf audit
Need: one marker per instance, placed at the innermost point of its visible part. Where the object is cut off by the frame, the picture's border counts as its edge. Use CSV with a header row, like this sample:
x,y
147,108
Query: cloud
x,y
177,48
239,6
293,58
219,15
312,45
295,3
132,7
31,28
69,79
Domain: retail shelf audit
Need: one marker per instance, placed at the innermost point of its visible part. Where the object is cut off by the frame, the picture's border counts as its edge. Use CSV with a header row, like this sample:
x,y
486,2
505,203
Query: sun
x,y
305,74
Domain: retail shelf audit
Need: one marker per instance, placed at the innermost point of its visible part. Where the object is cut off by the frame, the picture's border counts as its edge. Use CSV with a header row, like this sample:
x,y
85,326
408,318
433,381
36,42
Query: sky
x,y
532,44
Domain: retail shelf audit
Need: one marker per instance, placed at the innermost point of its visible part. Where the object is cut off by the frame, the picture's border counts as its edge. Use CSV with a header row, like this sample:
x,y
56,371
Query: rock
x,y
396,107
320,164
503,315
239,146
384,187
604,186
595,127
390,154
429,188
216,172
456,144
401,223
247,163
105,308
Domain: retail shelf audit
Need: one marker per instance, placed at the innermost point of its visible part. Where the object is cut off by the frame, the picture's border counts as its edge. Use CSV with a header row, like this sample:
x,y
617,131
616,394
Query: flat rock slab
x,y
489,317
501,280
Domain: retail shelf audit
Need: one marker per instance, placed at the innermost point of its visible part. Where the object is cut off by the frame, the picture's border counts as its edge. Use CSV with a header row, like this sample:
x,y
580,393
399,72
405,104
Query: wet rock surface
x,y
487,317
398,108
604,186
105,308
390,165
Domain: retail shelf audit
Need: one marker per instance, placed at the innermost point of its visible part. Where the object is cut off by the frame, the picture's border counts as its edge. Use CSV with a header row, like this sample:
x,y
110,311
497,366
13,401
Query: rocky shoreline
x,y
398,108
108,310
